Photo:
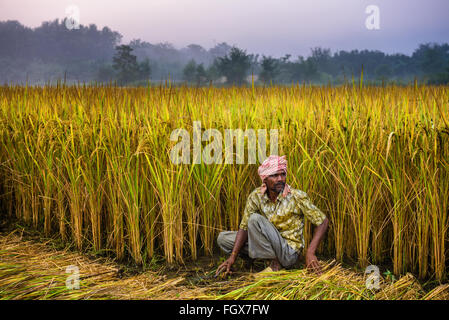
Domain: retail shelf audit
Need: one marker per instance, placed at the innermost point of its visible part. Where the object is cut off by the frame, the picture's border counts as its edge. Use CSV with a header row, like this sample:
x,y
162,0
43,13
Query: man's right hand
x,y
240,240
226,266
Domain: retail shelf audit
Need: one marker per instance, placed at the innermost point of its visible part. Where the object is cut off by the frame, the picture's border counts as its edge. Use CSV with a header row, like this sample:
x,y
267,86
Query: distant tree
x,y
440,77
383,72
125,64
197,53
52,51
270,69
234,66
106,73
212,72
201,76
195,73
432,58
144,70
400,64
322,59
304,70
189,71
254,64
16,40
220,50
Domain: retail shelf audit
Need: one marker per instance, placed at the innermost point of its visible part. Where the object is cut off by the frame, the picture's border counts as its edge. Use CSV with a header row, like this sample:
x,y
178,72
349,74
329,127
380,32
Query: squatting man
x,y
272,224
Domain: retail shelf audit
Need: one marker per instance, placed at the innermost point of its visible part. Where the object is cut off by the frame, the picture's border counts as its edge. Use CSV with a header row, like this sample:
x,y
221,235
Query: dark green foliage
x,y
270,69
144,70
196,74
440,78
234,66
126,66
202,77
106,73
53,52
189,72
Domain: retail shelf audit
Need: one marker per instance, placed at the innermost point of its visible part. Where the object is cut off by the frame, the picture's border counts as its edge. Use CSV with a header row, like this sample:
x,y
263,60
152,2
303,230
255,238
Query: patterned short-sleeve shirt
x,y
286,214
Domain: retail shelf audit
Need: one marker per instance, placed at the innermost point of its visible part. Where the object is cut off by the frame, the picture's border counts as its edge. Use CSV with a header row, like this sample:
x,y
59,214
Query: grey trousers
x,y
264,242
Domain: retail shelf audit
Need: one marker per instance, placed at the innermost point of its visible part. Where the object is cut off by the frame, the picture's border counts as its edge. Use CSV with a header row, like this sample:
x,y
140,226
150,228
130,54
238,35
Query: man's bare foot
x,y
275,265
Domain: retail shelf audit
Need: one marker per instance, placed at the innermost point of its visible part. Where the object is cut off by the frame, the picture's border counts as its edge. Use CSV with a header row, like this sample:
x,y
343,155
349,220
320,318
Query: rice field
x,y
30,270
92,165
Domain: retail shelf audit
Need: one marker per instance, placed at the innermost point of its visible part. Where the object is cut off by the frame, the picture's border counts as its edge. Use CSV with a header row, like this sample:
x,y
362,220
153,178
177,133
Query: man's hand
x,y
240,240
312,262
226,266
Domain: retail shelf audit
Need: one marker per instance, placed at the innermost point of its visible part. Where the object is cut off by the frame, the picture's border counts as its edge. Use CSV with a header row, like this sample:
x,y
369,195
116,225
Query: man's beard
x,y
278,187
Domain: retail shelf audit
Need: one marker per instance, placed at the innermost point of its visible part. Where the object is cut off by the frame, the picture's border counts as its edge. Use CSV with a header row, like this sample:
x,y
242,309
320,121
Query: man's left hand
x,y
313,263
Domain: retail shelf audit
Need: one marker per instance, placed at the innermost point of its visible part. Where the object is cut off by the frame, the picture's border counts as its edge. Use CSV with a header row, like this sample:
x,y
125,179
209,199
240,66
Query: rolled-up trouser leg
x,y
265,242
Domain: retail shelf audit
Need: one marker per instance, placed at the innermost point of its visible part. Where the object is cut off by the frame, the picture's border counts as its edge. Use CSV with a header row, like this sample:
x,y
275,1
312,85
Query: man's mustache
x,y
280,184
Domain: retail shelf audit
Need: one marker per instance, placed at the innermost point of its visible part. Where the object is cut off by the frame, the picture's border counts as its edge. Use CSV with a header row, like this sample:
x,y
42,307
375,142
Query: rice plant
x,y
92,164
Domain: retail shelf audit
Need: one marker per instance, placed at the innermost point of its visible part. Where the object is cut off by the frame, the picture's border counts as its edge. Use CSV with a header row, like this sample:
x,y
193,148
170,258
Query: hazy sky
x,y
271,27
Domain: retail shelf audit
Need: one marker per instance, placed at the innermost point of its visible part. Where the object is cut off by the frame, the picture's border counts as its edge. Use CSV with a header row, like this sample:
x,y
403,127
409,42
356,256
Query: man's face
x,y
276,182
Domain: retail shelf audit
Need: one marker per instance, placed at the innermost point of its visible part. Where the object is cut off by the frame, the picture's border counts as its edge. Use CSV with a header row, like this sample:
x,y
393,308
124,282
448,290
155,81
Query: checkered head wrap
x,y
272,165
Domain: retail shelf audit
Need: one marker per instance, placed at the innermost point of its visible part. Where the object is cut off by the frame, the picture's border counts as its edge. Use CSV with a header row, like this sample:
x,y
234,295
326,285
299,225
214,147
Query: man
x,y
273,222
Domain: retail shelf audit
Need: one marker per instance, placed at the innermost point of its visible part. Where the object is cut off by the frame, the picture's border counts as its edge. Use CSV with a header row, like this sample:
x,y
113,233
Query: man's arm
x,y
240,240
242,235
311,259
319,219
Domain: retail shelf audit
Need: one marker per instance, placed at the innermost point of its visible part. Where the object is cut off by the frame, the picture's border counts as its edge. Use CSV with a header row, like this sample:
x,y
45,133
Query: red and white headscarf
x,y
272,165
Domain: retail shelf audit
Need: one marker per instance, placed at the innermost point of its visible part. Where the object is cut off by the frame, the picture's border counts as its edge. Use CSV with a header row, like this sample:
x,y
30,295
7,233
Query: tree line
x,y
429,63
51,52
